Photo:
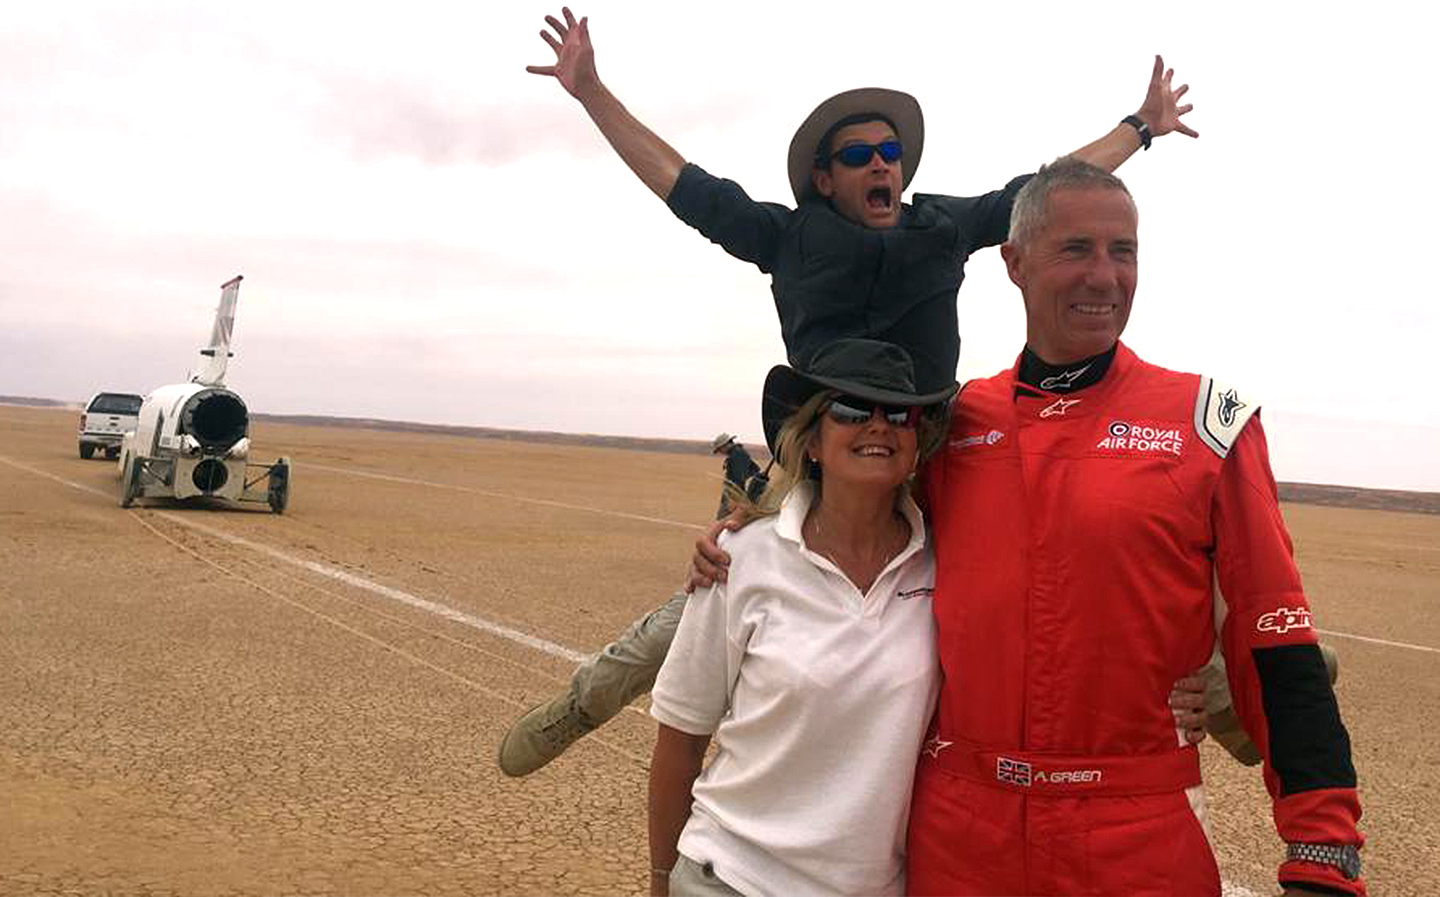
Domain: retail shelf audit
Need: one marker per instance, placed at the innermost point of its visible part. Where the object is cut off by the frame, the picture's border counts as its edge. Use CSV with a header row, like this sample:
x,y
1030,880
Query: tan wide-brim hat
x,y
900,108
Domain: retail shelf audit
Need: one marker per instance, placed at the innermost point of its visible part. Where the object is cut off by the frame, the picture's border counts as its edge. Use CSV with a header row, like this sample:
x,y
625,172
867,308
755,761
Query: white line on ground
x,y
1377,641
522,498
394,594
351,579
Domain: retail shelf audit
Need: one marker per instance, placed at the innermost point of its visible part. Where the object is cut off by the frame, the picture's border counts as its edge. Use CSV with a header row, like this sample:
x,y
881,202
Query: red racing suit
x,y
1083,545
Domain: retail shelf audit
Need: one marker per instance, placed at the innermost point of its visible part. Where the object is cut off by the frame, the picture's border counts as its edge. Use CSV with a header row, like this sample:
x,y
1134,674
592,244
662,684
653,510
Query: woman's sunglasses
x,y
858,154
852,412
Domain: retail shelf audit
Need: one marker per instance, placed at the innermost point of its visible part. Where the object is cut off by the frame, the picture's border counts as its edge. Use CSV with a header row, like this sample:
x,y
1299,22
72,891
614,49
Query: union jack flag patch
x,y
1016,772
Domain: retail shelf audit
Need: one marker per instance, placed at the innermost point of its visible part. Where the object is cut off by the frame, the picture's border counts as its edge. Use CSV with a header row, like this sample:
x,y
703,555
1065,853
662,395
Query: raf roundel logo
x,y
1119,429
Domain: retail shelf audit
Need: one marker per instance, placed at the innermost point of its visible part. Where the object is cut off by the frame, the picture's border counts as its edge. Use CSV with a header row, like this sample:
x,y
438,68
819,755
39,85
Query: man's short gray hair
x,y
1027,216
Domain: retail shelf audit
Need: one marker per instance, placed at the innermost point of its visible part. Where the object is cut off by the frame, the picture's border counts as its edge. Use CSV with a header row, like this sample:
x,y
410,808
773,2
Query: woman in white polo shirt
x,y
814,665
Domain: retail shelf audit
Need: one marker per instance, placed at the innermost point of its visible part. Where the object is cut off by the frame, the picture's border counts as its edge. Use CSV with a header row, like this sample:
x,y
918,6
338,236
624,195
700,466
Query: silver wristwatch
x,y
1344,857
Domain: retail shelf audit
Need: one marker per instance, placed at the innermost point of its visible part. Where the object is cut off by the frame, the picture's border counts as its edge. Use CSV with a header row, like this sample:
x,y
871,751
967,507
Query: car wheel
x,y
130,483
279,491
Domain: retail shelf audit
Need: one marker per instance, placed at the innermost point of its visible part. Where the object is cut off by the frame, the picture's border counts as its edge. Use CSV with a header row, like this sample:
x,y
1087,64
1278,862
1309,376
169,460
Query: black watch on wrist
x,y
1345,857
1140,127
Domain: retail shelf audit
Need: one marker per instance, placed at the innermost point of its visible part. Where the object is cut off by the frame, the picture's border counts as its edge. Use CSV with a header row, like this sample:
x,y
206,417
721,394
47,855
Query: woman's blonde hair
x,y
792,461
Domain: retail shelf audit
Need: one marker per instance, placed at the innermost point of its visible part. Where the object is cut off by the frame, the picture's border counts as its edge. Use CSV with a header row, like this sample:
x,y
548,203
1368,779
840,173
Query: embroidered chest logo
x,y
1063,381
1058,407
1283,619
1229,404
922,592
1149,438
990,438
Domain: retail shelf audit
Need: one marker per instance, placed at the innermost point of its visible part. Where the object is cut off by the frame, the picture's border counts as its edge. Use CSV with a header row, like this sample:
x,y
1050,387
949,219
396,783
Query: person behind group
x,y
814,666
1092,515
741,472
850,260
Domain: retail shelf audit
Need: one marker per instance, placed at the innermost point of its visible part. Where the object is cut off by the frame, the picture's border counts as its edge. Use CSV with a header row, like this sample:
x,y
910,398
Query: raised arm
x,y
653,160
1160,113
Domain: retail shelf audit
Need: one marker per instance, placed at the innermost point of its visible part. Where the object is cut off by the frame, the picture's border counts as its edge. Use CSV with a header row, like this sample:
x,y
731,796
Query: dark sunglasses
x,y
858,154
852,412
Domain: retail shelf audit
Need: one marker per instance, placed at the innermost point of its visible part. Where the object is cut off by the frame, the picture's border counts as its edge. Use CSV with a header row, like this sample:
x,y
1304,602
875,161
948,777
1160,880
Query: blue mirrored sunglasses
x,y
852,412
856,155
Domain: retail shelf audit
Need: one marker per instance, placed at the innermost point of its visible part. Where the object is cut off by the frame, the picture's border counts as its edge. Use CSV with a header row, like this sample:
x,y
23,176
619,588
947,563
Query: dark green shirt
x,y
833,278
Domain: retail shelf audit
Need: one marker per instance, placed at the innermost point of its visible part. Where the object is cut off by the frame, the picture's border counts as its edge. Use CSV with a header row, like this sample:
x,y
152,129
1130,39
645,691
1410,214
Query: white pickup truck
x,y
107,417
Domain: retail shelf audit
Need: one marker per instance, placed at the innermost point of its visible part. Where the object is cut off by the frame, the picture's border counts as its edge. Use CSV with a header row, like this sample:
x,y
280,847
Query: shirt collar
x,y
796,506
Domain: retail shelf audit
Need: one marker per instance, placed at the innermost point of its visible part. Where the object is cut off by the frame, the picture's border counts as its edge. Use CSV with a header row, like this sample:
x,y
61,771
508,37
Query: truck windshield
x,y
114,403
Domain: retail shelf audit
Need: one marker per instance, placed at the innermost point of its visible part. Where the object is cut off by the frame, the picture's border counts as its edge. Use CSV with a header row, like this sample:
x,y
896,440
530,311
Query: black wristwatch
x,y
1345,857
1140,127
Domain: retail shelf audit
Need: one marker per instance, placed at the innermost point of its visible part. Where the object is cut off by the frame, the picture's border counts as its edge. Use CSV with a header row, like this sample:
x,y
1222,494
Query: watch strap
x,y
1140,127
1344,857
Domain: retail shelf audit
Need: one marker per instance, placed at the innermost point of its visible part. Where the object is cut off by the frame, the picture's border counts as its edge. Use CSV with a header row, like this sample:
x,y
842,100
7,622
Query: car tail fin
x,y
217,354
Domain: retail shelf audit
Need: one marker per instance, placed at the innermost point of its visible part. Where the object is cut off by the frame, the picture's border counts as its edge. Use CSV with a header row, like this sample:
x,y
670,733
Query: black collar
x,y
1066,378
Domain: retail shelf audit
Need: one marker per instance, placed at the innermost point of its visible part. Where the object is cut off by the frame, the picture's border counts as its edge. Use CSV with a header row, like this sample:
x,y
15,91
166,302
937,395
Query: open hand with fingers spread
x,y
574,64
1161,109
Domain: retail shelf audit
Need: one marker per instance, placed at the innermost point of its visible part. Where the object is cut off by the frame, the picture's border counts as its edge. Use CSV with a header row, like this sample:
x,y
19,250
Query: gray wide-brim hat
x,y
720,442
864,368
900,108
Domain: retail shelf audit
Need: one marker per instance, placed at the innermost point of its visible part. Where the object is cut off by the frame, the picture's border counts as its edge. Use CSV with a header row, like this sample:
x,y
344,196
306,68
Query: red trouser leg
x,y
964,838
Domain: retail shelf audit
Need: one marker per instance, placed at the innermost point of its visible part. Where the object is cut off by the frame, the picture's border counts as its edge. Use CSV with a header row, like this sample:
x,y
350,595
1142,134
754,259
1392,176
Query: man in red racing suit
x,y
1094,516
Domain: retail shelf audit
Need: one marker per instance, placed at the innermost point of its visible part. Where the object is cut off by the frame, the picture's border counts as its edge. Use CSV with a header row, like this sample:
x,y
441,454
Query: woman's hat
x,y
901,109
864,368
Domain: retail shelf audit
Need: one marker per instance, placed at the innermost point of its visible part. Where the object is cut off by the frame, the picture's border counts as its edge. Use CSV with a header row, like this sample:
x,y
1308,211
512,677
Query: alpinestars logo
x,y
1058,407
1063,381
1155,438
1283,619
1229,404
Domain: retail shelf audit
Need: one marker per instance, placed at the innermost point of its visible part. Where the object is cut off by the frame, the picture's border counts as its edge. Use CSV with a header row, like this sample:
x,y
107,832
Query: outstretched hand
x,y
574,64
1161,109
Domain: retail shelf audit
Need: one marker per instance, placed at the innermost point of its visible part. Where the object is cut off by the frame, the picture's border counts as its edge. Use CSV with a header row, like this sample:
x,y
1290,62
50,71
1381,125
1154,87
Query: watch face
x,y
1350,861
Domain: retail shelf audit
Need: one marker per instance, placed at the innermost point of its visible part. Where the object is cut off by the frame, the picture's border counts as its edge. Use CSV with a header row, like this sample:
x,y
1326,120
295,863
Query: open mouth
x,y
874,451
1093,308
879,199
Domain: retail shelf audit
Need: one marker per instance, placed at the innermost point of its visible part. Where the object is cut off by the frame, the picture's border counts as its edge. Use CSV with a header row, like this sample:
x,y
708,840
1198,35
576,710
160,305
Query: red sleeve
x,y
1277,677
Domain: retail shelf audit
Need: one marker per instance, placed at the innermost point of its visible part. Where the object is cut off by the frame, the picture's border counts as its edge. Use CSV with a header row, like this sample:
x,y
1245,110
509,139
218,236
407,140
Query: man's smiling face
x,y
870,194
1077,273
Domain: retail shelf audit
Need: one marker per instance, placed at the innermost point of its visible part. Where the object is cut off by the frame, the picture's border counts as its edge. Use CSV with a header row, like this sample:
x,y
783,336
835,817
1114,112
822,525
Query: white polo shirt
x,y
818,697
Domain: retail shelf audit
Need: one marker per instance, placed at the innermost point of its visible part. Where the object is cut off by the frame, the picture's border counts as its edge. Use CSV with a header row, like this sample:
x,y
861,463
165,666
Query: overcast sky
x,y
429,233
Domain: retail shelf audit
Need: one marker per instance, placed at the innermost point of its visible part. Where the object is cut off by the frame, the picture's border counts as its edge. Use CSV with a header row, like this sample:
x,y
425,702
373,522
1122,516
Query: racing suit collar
x,y
1035,372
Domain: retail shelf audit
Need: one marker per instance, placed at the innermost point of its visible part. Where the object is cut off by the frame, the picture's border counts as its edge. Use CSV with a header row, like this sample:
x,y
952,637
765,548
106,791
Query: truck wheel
x,y
130,483
279,491
87,451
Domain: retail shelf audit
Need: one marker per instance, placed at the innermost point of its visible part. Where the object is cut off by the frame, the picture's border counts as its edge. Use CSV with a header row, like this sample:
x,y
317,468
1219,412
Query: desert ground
x,y
218,700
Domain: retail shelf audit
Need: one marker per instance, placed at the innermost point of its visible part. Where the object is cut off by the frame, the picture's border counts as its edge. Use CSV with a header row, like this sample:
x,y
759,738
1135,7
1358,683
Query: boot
x,y
541,735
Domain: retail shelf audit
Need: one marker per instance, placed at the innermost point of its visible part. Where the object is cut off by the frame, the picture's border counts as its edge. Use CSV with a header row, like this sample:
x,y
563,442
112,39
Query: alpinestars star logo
x,y
1063,381
1058,407
1283,619
934,745
1229,404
